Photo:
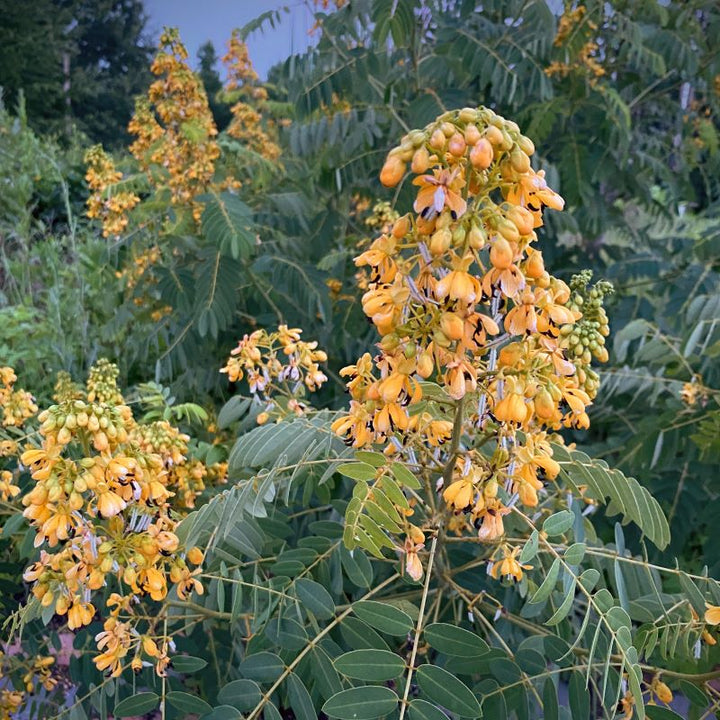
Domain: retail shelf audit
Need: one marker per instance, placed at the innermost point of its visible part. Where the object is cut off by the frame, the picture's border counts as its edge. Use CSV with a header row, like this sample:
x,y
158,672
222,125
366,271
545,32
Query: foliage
x,y
473,546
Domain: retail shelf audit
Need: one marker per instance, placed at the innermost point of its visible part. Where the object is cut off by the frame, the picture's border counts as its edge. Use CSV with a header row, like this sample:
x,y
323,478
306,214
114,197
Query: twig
x,y
418,628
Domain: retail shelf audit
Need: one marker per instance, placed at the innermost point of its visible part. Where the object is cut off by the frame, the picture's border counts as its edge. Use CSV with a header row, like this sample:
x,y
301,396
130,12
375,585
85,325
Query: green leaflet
x,y
625,494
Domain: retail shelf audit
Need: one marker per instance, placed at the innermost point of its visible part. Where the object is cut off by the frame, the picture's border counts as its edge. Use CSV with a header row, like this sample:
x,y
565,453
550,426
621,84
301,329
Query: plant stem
x,y
455,441
418,628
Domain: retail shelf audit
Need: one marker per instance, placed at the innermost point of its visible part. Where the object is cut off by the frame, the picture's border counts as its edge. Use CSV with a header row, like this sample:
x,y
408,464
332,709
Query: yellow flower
x,y
508,566
712,614
459,494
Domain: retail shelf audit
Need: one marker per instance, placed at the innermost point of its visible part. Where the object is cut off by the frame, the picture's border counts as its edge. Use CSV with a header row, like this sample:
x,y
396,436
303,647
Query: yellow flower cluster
x,y
277,363
247,123
17,405
101,507
174,127
461,297
105,202
573,25
183,475
10,702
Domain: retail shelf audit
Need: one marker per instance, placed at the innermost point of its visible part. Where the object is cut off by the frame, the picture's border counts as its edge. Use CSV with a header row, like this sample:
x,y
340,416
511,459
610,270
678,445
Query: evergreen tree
x,y
213,84
77,61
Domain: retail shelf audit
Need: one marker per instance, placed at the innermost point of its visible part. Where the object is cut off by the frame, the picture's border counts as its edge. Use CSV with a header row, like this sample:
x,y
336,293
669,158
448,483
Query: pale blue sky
x,y
203,20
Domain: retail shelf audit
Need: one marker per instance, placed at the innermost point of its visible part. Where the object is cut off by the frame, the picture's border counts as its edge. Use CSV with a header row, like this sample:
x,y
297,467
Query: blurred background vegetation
x,y
622,98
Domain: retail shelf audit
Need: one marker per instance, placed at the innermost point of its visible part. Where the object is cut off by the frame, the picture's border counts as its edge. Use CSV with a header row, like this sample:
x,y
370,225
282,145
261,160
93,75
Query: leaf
x,y
446,690
361,703
575,553
579,697
370,665
550,701
422,710
361,636
299,698
357,470
558,523
455,641
657,712
287,633
693,693
384,617
262,667
548,584
315,598
188,703
696,598
227,222
626,495
241,694
187,664
138,704
565,606
223,712
404,476
530,548
327,680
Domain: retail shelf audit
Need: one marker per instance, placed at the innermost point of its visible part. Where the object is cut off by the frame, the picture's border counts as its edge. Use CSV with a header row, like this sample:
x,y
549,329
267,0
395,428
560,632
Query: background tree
x,y
77,61
210,77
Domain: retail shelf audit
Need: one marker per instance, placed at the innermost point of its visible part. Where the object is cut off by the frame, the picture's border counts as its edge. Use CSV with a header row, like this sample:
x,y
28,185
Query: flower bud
x,y
535,266
501,254
420,161
440,242
452,326
519,160
392,171
521,218
476,238
401,227
472,134
457,145
494,135
508,230
481,155
425,365
437,140
526,145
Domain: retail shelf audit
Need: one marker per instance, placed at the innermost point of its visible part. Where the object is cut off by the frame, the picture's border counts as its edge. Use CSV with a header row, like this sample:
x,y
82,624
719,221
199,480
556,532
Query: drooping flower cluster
x,y
183,475
107,202
460,297
279,366
576,36
101,506
243,84
17,405
174,126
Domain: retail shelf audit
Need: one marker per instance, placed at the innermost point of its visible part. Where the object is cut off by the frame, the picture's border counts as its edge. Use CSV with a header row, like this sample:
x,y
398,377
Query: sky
x,y
203,20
